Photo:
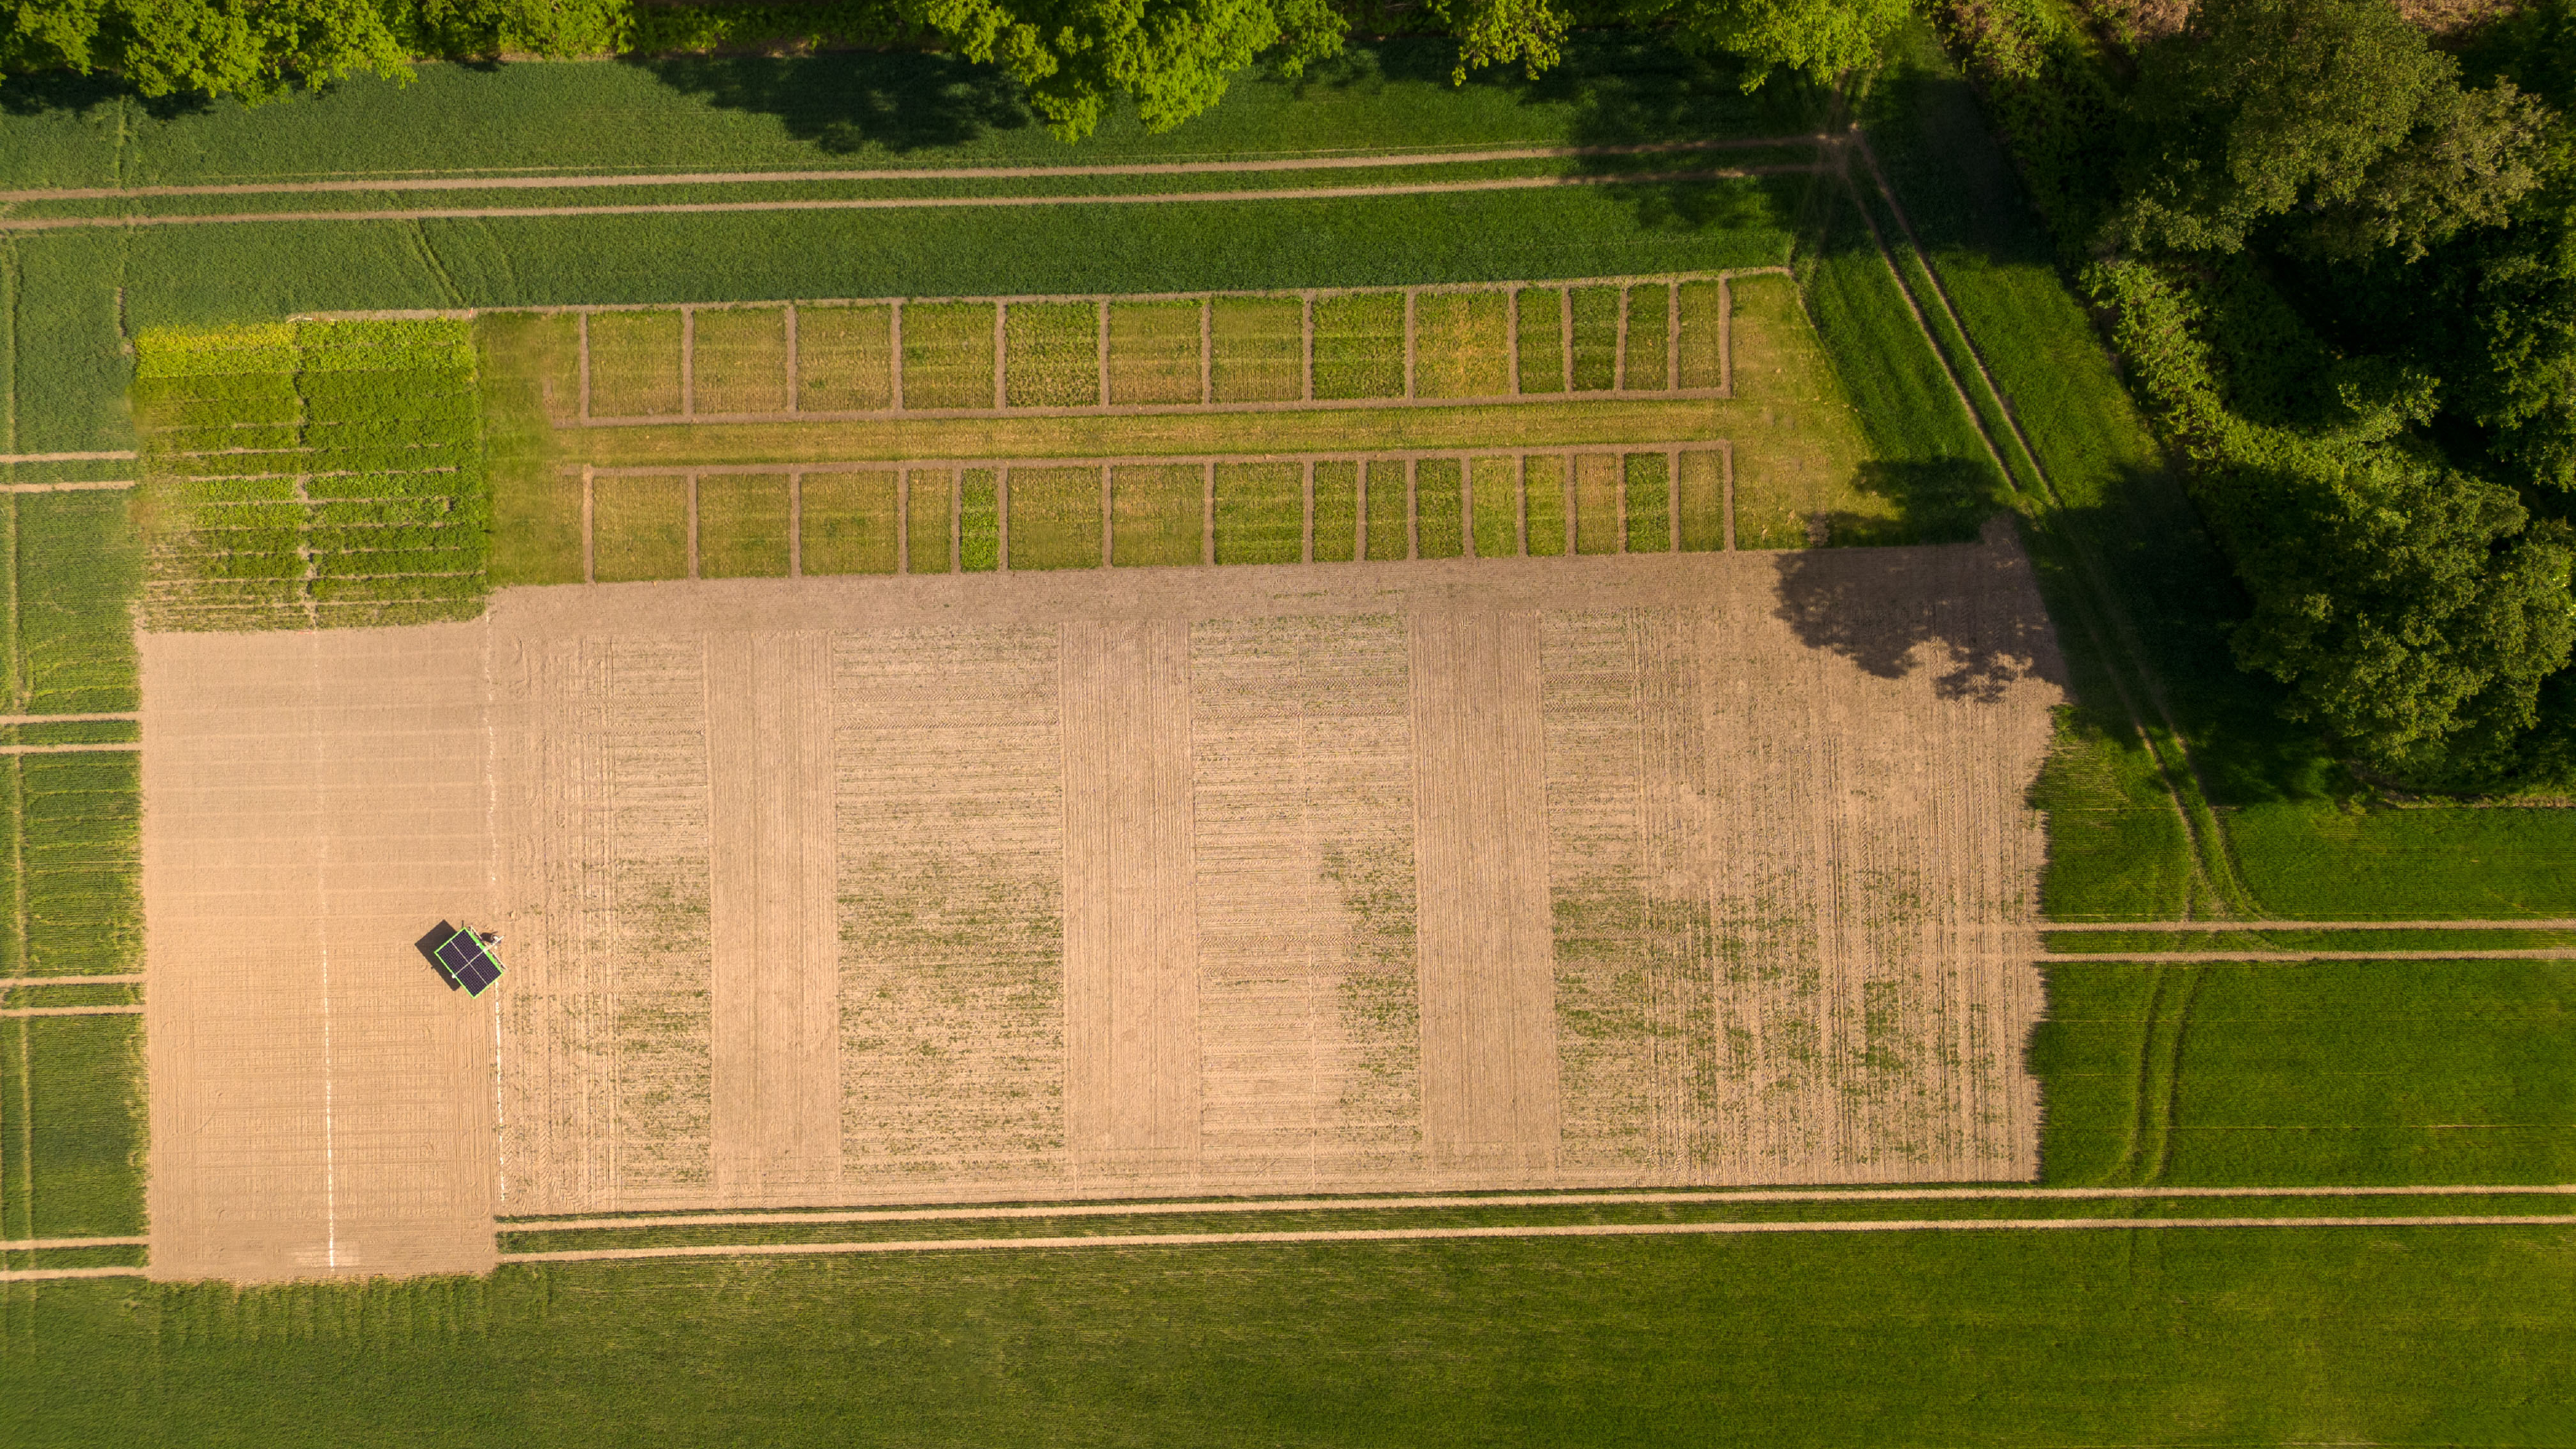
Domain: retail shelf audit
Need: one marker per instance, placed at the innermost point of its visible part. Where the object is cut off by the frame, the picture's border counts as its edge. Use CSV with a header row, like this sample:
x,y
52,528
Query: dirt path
x,y
10,983
108,457
39,1275
112,485
564,181
1553,1230
1519,1200
19,1011
907,203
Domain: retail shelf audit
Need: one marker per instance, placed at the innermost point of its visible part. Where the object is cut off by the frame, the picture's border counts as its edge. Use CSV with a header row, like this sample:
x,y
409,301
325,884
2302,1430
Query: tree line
x,y
2337,248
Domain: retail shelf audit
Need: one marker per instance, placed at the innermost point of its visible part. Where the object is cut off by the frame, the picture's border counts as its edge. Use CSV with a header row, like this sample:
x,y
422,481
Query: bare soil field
x,y
321,1103
1483,874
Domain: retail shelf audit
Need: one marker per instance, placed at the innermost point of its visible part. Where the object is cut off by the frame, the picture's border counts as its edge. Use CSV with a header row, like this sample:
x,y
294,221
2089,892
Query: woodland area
x,y
2336,243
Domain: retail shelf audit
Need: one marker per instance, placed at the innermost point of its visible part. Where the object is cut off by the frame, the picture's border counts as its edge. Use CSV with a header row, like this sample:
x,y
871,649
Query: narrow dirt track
x,y
31,1245
109,457
907,203
110,485
1578,1199
11,983
555,181
39,1275
135,1010
1559,1230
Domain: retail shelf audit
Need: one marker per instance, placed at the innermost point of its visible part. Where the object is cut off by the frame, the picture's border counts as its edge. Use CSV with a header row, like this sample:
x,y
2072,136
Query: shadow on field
x,y
902,101
1880,608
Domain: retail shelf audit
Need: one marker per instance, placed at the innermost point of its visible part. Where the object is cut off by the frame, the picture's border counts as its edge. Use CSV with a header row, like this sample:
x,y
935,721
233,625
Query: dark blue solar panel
x,y
469,961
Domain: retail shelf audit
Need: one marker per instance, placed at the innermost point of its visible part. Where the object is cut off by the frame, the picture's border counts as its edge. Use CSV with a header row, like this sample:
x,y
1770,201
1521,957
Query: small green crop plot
x,y
1596,338
1462,344
1158,514
1494,492
930,502
848,523
948,355
1055,518
1439,502
311,474
72,1120
844,359
635,368
1154,352
1337,512
1651,322
1649,501
743,526
642,527
1388,499
1359,345
979,520
1051,354
1542,339
1543,486
1260,513
738,360
1257,349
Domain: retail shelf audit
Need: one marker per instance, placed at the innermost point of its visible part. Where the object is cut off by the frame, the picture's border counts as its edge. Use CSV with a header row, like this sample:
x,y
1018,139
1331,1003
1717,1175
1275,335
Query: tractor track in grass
x,y
1551,1230
566,181
10,224
1460,1202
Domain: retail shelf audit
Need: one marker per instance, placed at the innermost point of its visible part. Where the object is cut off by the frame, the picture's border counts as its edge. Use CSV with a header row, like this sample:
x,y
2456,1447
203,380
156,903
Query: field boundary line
x,y
1767,1196
38,1275
23,1012
908,203
41,719
583,180
93,487
1551,1230
121,456
33,1245
1148,460
97,747
14,983
1123,410
2489,923
2220,958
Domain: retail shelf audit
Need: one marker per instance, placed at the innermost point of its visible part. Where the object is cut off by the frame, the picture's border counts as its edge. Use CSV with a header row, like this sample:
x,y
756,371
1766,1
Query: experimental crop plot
x,y
1155,353
633,364
1257,349
738,360
850,523
1057,517
1051,354
844,358
947,356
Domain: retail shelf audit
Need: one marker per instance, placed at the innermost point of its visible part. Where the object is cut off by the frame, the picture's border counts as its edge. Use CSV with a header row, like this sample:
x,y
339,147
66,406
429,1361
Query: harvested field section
x,y
844,359
1133,1098
634,364
321,1102
849,523
1359,345
1309,1027
1154,353
1871,1032
1258,349
1489,1051
1051,354
607,1017
738,360
1337,512
1055,518
1462,344
930,519
1494,501
1158,515
951,855
948,355
743,526
1628,780
1260,513
1542,339
640,529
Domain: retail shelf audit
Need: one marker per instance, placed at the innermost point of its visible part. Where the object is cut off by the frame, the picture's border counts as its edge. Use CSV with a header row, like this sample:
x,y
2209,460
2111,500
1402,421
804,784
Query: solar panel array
x,y
469,961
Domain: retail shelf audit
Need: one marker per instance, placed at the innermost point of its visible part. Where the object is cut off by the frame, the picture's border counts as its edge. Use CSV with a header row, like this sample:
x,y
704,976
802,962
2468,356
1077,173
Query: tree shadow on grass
x,y
1967,611
843,104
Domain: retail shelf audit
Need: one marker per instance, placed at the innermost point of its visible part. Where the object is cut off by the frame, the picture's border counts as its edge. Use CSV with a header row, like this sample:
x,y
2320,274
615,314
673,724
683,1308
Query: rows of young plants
x,y
311,474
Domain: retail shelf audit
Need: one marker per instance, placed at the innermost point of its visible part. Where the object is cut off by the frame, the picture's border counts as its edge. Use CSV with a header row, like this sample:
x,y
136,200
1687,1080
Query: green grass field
x,y
2390,1335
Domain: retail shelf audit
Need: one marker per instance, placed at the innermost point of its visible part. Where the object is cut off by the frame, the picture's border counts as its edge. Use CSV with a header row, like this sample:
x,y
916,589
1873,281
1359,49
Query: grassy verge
x,y
71,1127
2005,1338
2344,1073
